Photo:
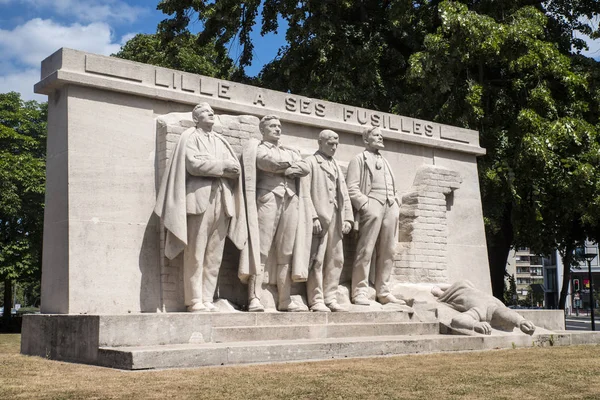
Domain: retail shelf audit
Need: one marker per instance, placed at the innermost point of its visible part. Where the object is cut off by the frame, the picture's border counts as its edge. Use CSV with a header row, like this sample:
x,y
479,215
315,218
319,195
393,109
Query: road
x,y
581,323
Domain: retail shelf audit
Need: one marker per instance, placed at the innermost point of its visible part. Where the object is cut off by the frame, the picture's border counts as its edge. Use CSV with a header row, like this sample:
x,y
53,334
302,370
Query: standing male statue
x,y
332,216
200,202
372,190
277,216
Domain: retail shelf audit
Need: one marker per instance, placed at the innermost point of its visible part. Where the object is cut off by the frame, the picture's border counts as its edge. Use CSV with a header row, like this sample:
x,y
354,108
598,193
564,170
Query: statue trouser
x,y
326,264
377,232
278,221
203,254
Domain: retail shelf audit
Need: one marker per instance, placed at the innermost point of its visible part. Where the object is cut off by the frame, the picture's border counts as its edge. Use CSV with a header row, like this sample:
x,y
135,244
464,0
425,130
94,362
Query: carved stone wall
x,y
421,254
237,130
105,161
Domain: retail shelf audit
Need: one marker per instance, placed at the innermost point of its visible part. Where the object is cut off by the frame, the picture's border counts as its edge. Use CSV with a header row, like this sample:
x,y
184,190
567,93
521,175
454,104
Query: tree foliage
x,y
499,74
22,179
508,69
182,52
510,292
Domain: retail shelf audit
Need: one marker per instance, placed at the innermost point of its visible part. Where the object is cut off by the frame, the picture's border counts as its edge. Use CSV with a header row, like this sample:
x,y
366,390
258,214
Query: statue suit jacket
x,y
175,200
360,179
321,195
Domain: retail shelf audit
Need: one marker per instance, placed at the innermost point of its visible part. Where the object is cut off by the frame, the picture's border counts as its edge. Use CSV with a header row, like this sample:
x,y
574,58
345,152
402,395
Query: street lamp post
x,y
589,257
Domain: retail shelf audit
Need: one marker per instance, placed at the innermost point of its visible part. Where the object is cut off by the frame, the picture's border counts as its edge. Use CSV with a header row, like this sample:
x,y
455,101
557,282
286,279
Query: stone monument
x,y
118,280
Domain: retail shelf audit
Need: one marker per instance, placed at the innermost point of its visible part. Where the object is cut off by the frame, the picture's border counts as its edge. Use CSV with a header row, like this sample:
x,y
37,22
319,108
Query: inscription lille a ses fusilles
x,y
211,87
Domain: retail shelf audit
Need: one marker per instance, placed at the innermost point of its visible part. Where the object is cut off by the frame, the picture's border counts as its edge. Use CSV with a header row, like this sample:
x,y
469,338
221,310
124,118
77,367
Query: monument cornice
x,y
72,67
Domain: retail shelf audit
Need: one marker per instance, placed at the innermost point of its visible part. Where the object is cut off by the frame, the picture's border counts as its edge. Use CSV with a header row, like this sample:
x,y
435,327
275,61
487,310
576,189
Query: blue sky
x,y
31,30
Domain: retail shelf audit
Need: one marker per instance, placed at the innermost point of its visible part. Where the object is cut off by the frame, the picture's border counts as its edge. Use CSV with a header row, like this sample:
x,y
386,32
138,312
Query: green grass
x,y
536,373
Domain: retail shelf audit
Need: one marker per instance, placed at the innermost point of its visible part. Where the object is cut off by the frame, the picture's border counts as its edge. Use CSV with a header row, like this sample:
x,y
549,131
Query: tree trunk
x,y
499,245
7,302
567,261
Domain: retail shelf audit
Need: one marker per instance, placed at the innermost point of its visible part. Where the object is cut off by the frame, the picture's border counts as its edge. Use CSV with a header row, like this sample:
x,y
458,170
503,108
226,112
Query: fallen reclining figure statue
x,y
479,311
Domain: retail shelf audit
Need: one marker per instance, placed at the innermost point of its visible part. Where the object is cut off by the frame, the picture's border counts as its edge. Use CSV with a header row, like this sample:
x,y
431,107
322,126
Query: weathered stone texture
x,y
423,229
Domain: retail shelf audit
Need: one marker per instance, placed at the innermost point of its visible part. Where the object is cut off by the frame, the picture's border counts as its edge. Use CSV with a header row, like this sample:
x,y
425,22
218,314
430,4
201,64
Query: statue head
x,y
270,128
328,142
373,138
203,116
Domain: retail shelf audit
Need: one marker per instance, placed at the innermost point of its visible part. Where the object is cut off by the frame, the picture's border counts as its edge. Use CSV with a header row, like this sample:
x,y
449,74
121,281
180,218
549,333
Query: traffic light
x,y
576,285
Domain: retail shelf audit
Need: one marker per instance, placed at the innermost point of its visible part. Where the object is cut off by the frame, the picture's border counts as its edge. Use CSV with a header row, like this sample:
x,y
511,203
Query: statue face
x,y
272,130
328,146
205,116
375,140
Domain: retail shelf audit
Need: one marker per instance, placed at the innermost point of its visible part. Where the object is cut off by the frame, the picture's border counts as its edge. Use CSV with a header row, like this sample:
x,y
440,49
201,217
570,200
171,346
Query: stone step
x,y
176,328
291,332
211,354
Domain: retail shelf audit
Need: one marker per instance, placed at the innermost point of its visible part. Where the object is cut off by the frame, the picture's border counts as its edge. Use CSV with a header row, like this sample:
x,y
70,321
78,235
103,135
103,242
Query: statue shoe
x,y
390,298
319,307
291,307
255,306
210,306
361,300
335,307
196,307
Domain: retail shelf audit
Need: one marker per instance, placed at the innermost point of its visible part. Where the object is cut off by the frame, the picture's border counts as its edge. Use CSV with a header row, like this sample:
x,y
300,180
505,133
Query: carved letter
x,y
259,99
207,93
189,85
320,109
290,104
305,106
348,113
429,130
223,89
162,78
402,128
392,127
376,120
363,120
417,128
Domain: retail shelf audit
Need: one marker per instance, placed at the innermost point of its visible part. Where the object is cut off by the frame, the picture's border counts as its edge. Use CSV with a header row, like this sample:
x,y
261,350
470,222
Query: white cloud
x,y
24,47
91,10
22,82
35,40
126,37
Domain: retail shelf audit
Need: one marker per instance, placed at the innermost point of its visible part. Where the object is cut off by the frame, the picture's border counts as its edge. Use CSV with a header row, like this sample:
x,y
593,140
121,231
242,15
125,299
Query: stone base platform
x,y
170,340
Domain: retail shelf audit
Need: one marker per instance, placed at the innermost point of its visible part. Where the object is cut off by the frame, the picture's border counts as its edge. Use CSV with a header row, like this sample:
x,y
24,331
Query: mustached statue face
x,y
272,130
374,140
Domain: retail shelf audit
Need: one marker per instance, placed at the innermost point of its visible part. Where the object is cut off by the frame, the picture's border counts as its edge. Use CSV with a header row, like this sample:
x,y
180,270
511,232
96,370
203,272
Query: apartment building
x,y
535,272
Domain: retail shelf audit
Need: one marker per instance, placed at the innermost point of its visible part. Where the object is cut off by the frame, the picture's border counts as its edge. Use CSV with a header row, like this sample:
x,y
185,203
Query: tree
x,y
22,178
182,52
354,52
510,292
505,69
500,75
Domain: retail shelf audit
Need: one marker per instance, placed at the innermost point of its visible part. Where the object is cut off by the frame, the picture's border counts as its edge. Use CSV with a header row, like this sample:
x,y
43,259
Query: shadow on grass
x,y
11,325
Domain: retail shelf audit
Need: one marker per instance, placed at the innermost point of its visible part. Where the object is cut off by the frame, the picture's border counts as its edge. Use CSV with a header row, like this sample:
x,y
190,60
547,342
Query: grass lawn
x,y
536,373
